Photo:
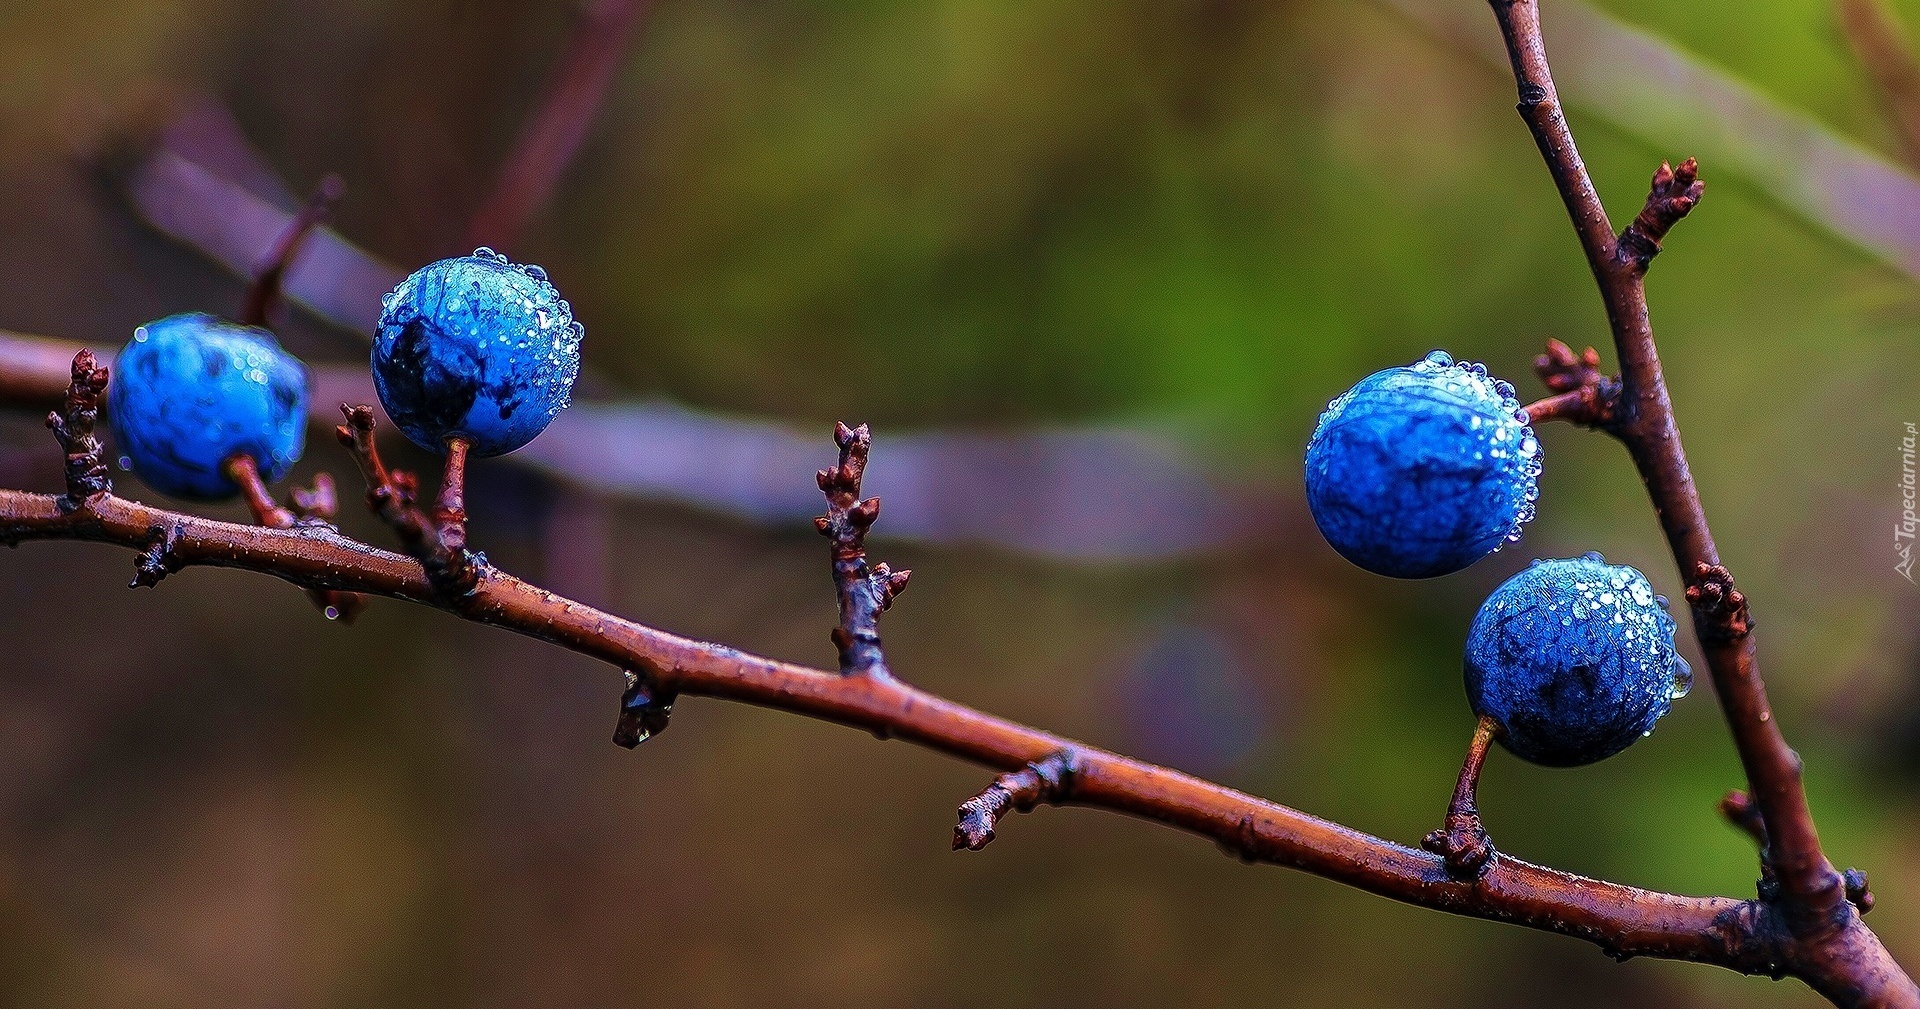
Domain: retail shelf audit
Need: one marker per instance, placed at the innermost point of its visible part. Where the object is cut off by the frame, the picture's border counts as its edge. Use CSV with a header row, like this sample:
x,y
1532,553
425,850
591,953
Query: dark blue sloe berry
x,y
1574,660
192,391
1422,470
476,348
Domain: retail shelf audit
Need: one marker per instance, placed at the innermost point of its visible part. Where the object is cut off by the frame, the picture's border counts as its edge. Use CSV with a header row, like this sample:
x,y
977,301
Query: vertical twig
x,y
1886,54
72,425
1830,949
552,136
864,592
263,294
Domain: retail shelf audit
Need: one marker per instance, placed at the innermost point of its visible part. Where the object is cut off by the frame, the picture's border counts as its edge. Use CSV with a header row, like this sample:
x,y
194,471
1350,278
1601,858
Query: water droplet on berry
x,y
140,335
125,463
534,271
1682,678
1439,358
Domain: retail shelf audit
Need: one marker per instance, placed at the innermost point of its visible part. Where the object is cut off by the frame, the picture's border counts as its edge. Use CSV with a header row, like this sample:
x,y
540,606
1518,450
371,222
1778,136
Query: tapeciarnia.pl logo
x,y
1903,530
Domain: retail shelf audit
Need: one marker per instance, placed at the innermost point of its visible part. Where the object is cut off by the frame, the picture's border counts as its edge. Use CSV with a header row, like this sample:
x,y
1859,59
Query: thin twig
x,y
72,425
1886,54
552,136
864,592
1583,394
264,292
392,495
1049,779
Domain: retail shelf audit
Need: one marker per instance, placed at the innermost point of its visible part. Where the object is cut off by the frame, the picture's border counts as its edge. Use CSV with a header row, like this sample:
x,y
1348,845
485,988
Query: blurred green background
x,y
933,215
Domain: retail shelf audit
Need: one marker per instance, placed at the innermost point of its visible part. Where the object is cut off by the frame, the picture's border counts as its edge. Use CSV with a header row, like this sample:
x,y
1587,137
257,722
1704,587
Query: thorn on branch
x,y
158,560
644,710
1719,610
1047,780
1857,893
263,294
1462,841
1673,193
72,425
864,592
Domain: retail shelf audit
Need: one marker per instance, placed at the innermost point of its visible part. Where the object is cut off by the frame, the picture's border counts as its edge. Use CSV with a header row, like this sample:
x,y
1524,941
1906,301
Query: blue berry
x,y
1422,470
192,391
1574,660
475,348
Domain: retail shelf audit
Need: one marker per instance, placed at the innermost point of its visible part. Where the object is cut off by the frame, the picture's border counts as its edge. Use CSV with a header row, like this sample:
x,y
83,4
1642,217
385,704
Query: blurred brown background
x,y
1201,219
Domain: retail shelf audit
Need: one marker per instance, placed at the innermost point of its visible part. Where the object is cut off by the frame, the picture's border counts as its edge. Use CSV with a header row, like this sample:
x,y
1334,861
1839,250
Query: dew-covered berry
x,y
1573,660
1422,470
476,348
192,391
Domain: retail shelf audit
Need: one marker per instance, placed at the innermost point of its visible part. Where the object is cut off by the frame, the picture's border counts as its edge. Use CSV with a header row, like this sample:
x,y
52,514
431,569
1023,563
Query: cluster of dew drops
x,y
1510,429
1601,598
563,354
1493,401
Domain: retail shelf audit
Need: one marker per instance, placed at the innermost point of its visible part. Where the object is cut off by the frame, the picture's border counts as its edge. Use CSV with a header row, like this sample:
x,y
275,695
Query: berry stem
x,y
1462,840
449,560
450,508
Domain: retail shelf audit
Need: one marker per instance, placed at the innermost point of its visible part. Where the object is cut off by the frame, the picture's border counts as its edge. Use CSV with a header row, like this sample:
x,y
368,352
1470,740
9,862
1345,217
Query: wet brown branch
x,y
1626,921
864,592
1830,948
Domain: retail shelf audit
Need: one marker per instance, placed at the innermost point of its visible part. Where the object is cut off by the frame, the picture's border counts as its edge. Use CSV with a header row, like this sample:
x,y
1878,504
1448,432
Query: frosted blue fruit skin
x,y
1422,470
1574,660
478,348
191,391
